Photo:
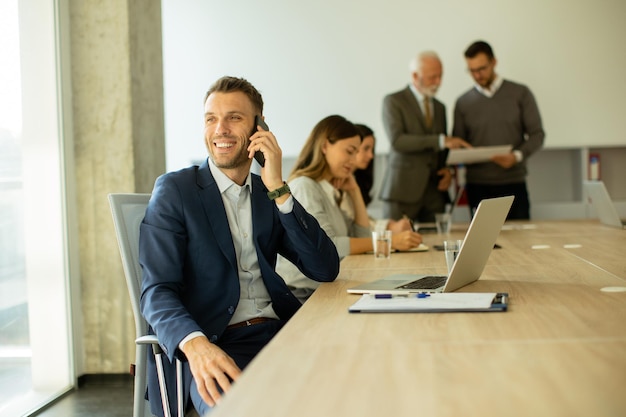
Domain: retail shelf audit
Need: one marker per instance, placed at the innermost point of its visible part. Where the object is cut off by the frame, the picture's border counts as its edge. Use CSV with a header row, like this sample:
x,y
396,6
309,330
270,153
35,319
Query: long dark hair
x,y
365,177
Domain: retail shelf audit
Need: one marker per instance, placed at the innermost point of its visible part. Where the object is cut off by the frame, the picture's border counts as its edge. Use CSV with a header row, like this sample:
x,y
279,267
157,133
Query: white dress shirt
x,y
254,300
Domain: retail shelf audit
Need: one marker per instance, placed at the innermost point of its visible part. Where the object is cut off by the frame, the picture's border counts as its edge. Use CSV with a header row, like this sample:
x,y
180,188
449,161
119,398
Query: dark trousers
x,y
520,210
242,344
423,211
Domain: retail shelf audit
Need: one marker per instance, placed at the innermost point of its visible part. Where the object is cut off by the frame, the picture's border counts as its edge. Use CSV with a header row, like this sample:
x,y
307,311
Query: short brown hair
x,y
233,84
479,47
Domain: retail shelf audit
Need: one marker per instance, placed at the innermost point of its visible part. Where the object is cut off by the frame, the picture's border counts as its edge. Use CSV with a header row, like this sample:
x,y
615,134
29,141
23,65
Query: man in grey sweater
x,y
497,112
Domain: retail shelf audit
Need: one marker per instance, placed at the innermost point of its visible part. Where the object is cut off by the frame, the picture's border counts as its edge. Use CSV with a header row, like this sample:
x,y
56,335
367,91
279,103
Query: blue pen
x,y
422,295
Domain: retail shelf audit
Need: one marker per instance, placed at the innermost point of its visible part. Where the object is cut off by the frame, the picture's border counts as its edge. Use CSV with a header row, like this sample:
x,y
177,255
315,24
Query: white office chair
x,y
128,211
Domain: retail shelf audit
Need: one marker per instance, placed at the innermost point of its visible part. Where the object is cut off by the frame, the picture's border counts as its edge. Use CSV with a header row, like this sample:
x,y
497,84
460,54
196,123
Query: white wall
x,y
312,59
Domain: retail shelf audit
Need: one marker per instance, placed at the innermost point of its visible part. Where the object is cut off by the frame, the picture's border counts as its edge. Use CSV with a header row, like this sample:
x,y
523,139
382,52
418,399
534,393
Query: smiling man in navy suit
x,y
208,248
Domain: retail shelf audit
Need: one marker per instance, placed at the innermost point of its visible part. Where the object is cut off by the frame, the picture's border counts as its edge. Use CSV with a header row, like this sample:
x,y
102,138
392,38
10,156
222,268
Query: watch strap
x,y
273,195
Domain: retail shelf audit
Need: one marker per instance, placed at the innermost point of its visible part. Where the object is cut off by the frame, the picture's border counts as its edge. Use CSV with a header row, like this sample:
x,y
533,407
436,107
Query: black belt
x,y
250,322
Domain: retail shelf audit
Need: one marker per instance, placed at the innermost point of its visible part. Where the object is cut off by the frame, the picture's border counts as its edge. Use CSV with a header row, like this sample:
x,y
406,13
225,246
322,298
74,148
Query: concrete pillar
x,y
117,92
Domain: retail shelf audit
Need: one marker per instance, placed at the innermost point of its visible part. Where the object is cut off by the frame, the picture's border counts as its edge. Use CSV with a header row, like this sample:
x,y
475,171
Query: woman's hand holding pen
x,y
405,240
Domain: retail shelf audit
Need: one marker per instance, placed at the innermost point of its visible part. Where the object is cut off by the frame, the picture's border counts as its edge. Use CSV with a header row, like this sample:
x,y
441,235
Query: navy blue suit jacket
x,y
190,277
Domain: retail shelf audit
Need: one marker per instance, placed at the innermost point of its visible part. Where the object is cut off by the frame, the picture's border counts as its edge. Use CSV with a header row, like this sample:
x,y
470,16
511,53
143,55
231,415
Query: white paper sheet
x,y
474,155
456,301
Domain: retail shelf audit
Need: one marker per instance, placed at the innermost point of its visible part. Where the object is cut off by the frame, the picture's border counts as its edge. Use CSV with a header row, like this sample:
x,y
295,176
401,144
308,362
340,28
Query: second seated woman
x,y
364,176
326,163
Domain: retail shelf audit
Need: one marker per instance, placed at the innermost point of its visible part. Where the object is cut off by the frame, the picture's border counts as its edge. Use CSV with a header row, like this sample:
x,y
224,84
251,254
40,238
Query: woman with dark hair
x,y
364,176
326,163
364,172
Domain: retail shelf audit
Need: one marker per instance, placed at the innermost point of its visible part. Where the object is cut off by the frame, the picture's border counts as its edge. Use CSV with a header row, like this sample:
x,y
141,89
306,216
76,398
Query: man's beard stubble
x,y
235,162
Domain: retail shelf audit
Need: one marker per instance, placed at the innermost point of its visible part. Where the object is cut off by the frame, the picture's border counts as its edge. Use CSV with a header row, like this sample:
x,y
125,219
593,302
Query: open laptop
x,y
469,264
598,195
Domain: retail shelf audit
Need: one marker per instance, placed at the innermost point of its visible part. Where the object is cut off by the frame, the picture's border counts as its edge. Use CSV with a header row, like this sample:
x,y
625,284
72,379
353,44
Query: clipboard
x,y
431,303
475,155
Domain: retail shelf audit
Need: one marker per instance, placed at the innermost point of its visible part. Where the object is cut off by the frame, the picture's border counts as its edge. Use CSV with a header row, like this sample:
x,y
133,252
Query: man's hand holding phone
x,y
258,155
264,148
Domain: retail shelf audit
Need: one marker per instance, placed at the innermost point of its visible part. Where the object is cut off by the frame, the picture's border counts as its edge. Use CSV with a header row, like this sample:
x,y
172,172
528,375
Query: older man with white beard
x,y
417,180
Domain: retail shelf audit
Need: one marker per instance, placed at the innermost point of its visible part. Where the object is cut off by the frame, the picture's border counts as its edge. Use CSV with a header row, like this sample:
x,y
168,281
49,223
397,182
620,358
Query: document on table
x,y
420,248
430,303
475,155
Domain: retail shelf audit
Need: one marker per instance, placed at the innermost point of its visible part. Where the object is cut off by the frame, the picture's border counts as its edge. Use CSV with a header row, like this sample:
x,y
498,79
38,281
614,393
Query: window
x,y
36,362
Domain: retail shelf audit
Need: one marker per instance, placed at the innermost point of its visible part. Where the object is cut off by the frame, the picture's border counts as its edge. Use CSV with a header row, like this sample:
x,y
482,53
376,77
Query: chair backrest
x,y
128,211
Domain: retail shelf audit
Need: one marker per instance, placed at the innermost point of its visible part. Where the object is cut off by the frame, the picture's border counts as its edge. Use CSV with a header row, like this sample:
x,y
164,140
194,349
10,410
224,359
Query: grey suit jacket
x,y
414,155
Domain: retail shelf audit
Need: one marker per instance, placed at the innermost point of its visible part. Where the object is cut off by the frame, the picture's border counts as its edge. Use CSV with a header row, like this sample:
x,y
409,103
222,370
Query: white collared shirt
x,y
493,88
254,300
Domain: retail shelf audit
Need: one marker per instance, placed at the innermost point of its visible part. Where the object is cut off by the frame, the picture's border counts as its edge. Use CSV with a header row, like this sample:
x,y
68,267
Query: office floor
x,y
106,396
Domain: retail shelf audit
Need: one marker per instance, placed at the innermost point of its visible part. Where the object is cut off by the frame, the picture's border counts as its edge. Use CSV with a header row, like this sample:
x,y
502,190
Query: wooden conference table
x,y
560,349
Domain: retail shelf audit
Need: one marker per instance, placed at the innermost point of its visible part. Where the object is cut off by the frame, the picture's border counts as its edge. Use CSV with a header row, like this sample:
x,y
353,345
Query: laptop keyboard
x,y
427,283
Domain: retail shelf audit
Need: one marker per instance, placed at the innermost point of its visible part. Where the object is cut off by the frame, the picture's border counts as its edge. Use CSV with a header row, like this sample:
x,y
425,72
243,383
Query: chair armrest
x,y
151,339
148,339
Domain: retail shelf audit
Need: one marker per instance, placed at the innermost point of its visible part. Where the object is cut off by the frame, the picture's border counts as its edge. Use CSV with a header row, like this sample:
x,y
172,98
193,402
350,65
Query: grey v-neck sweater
x,y
511,116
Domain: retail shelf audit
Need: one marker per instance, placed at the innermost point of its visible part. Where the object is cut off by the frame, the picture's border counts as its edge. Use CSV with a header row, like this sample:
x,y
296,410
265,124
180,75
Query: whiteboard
x,y
313,59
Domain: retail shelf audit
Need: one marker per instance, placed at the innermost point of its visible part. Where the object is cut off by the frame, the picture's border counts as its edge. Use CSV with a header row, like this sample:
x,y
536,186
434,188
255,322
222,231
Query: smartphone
x,y
258,155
